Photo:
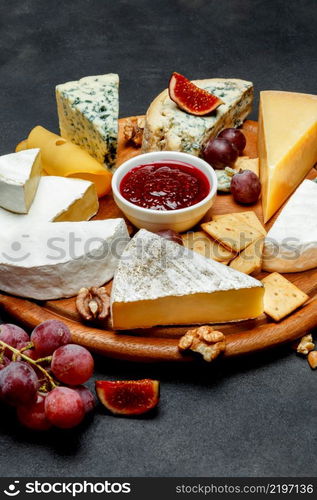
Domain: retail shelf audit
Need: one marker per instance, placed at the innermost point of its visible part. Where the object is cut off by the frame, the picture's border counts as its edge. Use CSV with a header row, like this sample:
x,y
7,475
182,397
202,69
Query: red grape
x,y
245,187
72,364
64,407
220,153
49,336
33,416
18,384
4,361
14,336
235,136
87,397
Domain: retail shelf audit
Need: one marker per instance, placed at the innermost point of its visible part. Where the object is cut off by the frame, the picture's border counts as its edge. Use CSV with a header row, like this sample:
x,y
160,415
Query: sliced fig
x,y
128,397
191,98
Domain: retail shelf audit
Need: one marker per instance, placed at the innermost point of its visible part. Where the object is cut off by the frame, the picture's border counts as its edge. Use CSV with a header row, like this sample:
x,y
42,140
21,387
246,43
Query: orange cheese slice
x,y
64,159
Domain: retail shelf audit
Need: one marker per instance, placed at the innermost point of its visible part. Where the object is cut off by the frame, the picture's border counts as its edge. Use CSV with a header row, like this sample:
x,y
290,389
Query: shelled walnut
x,y
133,131
205,341
93,303
305,345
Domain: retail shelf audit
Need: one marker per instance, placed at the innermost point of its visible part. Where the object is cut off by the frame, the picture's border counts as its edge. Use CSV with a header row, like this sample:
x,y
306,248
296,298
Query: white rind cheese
x,y
52,261
291,243
167,127
160,282
57,199
19,178
88,115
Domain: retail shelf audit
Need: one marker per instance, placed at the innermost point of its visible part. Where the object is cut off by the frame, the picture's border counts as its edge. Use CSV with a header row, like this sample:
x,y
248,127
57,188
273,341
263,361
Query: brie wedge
x,y
51,261
291,243
159,282
19,179
167,127
57,199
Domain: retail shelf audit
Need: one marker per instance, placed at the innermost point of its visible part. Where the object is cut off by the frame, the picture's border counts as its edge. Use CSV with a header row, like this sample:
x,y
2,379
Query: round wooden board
x,y
160,343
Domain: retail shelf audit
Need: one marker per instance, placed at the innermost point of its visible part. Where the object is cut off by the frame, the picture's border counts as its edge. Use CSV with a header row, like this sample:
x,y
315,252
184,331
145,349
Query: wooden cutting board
x,y
160,343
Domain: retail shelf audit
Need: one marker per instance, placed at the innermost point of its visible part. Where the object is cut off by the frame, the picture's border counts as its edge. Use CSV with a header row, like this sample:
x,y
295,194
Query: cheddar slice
x,y
159,282
62,158
287,144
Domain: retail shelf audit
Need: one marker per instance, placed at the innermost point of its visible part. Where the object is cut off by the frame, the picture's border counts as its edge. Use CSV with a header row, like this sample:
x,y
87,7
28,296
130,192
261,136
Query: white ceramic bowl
x,y
156,220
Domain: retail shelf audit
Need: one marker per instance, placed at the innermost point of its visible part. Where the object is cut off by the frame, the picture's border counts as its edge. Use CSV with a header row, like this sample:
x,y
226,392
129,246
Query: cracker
x,y
232,232
246,163
249,261
249,217
281,297
201,243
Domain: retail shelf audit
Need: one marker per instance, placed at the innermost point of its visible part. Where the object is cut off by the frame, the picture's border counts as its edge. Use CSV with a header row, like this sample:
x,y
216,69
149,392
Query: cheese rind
x,y
19,179
287,144
291,243
56,260
57,199
167,127
88,115
159,282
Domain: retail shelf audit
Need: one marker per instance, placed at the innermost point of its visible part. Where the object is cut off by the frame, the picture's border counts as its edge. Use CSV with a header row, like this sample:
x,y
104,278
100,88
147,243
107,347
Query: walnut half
x,y
205,341
305,345
133,131
93,303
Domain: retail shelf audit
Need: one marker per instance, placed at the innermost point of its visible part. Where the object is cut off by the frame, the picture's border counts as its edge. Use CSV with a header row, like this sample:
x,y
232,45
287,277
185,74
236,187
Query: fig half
x,y
128,397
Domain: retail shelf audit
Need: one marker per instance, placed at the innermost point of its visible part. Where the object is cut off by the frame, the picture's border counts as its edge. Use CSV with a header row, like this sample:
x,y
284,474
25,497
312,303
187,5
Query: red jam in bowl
x,y
165,185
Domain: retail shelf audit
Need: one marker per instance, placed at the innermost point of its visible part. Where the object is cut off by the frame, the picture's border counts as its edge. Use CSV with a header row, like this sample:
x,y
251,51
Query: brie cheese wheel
x,y
167,127
57,199
51,261
287,145
159,282
88,115
19,179
291,243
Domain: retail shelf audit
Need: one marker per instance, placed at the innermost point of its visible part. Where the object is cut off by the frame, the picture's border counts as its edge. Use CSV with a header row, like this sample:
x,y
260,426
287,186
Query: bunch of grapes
x,y
32,370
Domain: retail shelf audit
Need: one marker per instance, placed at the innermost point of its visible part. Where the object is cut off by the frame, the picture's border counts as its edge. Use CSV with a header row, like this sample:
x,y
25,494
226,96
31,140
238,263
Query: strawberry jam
x,y
165,185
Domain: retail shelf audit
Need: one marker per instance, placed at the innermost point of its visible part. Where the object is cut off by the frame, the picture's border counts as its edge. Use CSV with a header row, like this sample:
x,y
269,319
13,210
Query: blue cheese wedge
x,y
19,179
167,127
88,115
159,282
55,260
291,243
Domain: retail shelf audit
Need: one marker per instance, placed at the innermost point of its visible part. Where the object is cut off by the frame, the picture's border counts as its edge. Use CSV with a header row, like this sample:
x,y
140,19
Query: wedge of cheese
x,y
19,179
88,115
167,127
57,199
159,282
291,243
287,145
55,260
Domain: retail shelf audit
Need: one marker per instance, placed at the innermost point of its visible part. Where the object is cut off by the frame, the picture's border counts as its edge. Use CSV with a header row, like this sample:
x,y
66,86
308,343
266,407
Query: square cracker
x,y
249,261
232,232
201,243
281,297
249,217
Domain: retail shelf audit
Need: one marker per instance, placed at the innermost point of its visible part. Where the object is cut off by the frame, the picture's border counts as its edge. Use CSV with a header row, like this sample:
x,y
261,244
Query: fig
x,y
191,98
170,235
128,397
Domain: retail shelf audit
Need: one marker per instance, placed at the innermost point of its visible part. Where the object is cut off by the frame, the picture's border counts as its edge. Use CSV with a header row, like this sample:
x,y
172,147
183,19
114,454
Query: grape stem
x,y
31,361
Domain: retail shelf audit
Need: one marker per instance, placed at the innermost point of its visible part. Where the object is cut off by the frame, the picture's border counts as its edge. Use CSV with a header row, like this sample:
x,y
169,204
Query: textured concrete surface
x,y
250,417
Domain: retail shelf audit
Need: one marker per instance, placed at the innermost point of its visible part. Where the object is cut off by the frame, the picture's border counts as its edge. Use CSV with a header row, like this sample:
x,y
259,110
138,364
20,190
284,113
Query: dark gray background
x,y
250,417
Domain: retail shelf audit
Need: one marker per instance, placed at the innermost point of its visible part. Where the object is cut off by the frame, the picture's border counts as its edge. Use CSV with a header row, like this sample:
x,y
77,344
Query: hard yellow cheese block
x,y
62,158
287,144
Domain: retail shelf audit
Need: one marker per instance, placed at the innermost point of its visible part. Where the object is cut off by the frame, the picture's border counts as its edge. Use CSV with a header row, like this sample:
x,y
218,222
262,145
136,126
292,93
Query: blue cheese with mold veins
x,y
159,282
167,127
88,115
